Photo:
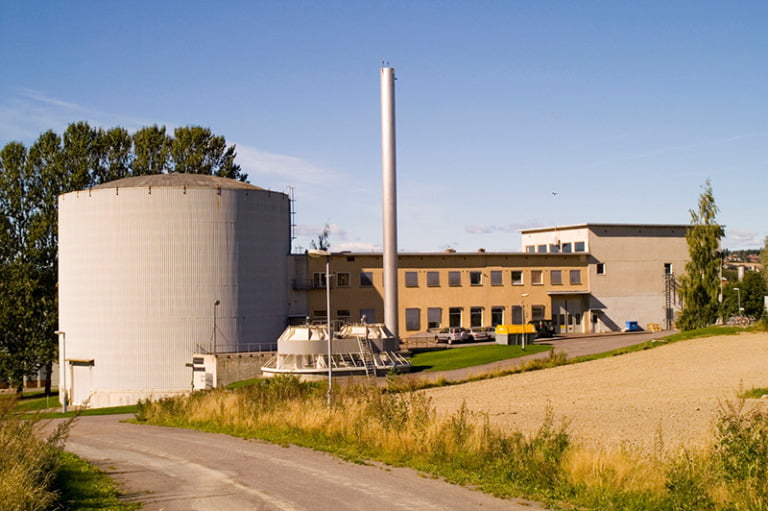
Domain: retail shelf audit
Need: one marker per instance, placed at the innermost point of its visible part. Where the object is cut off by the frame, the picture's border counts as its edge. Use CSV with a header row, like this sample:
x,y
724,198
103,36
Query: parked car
x,y
544,328
452,334
482,334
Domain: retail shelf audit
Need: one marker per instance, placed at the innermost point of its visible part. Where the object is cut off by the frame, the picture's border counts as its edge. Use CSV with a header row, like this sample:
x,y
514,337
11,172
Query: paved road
x,y
175,469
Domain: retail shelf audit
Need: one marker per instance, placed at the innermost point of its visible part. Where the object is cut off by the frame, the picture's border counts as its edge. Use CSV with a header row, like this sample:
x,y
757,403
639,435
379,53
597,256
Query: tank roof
x,y
178,180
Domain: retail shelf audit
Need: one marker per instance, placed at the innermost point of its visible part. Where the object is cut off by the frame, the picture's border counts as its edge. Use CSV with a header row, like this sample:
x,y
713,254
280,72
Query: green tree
x,y
115,156
195,150
753,290
764,260
19,268
152,151
700,286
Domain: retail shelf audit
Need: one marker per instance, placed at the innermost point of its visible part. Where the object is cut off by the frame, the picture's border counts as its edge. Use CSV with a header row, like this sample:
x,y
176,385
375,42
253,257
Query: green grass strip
x,y
459,358
84,487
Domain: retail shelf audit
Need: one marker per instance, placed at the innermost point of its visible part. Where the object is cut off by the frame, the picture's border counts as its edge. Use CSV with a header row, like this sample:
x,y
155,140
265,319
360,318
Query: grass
x,y
36,400
36,474
459,358
83,487
404,429
755,393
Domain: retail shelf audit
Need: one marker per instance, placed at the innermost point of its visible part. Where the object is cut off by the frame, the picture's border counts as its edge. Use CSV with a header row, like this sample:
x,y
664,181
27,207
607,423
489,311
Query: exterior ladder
x,y
367,354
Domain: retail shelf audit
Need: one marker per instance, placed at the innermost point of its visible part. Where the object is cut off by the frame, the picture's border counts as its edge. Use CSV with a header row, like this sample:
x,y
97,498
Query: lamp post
x,y
215,304
522,309
327,255
62,370
738,295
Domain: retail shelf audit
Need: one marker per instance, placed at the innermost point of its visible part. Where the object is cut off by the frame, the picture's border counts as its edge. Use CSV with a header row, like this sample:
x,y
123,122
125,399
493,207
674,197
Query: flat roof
x,y
591,225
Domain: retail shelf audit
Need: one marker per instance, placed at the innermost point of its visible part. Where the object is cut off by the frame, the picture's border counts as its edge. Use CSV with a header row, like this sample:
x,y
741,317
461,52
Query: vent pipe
x,y
389,192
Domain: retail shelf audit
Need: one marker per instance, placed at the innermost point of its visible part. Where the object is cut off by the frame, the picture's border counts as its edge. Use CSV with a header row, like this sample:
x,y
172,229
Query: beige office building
x,y
586,278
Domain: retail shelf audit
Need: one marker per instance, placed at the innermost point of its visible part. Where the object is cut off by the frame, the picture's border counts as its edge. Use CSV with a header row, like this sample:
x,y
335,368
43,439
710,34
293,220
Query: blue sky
x,y
623,109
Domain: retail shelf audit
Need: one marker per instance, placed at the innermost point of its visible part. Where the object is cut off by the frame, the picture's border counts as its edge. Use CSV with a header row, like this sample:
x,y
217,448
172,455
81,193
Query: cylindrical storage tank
x,y
155,268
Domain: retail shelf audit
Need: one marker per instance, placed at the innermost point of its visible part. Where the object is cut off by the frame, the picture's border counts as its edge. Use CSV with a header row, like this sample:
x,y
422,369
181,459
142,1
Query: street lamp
x,y
317,254
522,307
738,295
215,304
62,370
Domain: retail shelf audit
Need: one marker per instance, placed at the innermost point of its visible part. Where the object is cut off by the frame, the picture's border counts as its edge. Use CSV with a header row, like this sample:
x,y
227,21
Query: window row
x,y
478,316
496,278
476,278
556,248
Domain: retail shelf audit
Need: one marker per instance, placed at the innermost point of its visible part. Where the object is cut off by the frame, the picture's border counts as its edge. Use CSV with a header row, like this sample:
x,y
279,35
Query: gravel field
x,y
626,401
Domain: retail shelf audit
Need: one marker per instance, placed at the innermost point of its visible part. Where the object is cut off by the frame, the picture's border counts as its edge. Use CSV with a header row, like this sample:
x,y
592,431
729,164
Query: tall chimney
x,y
389,191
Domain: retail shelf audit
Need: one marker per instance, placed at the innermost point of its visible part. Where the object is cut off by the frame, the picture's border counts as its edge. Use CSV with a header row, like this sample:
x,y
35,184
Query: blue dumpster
x,y
631,326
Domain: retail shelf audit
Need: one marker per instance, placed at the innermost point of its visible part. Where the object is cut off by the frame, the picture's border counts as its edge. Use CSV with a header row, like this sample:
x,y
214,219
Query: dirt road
x,y
674,390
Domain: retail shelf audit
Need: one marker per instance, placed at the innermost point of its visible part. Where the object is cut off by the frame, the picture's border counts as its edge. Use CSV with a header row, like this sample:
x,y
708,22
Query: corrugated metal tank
x,y
142,263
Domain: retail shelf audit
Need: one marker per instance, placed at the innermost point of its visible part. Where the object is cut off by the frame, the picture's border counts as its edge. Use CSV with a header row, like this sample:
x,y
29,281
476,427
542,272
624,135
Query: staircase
x,y
367,355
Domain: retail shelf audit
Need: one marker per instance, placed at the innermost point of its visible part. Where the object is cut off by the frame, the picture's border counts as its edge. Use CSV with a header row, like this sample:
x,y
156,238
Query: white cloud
x,y
43,98
741,238
356,246
491,229
258,161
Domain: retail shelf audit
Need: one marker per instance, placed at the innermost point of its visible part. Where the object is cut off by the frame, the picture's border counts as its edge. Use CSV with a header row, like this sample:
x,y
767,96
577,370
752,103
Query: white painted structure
x,y
360,349
389,199
155,268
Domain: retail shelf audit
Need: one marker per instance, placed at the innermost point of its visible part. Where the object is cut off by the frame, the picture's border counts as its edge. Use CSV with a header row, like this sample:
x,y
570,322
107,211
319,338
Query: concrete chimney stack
x,y
389,192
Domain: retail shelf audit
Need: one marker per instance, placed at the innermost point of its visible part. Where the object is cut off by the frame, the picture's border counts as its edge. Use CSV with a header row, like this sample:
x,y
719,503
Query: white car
x,y
453,334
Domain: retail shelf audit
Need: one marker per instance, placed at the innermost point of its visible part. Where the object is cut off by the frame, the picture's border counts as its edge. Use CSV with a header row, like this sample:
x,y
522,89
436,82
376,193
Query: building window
x,y
537,277
530,249
475,278
517,315
556,277
412,319
537,312
554,248
343,314
434,317
433,279
579,246
567,248
517,277
454,316
411,279
668,268
342,279
497,315
454,278
496,278
601,268
575,276
319,315
476,317
366,279
541,249
318,281
368,315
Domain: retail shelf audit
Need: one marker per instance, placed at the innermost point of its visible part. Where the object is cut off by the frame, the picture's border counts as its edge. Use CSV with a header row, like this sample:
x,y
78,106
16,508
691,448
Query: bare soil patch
x,y
672,392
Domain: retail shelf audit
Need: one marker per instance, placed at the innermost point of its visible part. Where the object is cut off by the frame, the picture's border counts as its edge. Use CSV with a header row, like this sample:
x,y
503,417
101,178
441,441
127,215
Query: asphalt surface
x,y
169,469
173,469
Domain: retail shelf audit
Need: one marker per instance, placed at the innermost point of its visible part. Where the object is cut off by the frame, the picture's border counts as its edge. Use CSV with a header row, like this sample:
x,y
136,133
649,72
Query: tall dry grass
x,y
28,461
402,428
